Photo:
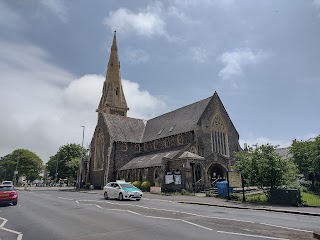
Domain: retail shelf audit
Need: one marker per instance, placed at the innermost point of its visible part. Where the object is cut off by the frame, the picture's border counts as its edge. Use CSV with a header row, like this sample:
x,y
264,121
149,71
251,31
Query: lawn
x,y
310,199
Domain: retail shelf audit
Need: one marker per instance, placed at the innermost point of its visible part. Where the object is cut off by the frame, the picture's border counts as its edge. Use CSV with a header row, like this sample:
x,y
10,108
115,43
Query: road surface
x,y
53,215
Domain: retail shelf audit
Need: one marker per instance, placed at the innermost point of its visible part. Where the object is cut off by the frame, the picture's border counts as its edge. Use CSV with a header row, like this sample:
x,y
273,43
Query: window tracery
x,y
219,134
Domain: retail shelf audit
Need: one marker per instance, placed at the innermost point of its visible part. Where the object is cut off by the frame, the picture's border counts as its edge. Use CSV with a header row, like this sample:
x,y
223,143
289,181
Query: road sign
x,y
15,172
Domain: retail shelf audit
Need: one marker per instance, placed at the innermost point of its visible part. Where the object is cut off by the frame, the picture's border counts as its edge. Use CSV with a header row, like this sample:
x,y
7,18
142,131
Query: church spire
x,y
113,100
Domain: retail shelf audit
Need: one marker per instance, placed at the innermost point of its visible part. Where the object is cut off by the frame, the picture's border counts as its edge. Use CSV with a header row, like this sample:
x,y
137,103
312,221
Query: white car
x,y
7,183
121,191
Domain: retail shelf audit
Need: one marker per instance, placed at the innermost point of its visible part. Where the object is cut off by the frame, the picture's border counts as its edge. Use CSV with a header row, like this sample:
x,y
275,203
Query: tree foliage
x,y
26,162
66,161
264,168
306,155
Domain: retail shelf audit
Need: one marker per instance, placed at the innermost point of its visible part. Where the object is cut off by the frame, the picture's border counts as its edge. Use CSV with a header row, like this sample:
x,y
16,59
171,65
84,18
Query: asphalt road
x,y
53,215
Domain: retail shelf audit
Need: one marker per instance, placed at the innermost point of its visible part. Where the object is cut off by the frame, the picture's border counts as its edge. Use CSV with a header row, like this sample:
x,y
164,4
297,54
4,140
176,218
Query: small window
x,y
117,91
137,148
160,131
171,128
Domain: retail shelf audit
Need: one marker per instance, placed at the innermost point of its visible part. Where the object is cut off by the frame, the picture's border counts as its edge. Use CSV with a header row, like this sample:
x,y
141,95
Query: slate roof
x,y
182,120
189,155
124,129
283,152
150,160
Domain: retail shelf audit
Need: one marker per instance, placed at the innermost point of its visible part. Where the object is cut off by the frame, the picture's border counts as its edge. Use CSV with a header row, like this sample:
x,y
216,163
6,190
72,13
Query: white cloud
x,y
84,92
141,103
199,54
136,56
147,22
235,61
43,106
316,3
57,7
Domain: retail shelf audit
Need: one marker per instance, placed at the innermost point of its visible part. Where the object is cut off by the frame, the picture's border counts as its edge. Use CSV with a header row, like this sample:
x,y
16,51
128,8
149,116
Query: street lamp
x,y
80,164
56,175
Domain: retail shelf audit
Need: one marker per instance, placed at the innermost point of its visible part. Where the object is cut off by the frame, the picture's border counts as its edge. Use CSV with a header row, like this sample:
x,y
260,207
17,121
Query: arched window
x,y
198,174
99,151
219,134
180,139
117,91
137,148
129,176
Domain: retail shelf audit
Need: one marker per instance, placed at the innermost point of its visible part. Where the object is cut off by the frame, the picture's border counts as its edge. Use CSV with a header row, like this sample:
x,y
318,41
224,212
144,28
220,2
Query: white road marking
x,y
20,235
197,225
295,229
45,194
249,235
4,222
193,214
66,198
164,218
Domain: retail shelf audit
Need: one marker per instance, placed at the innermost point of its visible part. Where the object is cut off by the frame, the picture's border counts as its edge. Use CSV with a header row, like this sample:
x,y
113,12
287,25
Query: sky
x,y
262,57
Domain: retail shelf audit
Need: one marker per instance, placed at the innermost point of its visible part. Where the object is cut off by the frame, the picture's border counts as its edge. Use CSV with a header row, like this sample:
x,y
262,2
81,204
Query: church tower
x,y
113,100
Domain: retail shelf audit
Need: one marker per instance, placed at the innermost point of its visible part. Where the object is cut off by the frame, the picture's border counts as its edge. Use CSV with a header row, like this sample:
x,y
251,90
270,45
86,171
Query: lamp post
x,y
80,164
56,175
16,171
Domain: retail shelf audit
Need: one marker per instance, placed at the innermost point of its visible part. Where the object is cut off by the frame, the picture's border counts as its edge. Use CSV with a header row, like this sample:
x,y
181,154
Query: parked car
x,y
8,195
7,183
121,191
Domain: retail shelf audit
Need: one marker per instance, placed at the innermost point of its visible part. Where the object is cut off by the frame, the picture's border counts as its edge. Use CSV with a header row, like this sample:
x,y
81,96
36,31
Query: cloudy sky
x,y
262,57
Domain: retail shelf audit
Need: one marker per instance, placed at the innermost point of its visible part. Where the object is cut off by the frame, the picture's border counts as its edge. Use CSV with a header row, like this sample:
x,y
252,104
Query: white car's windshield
x,y
126,185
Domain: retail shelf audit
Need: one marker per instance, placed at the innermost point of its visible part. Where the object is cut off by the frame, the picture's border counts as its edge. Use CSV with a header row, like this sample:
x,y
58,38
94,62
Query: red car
x,y
8,195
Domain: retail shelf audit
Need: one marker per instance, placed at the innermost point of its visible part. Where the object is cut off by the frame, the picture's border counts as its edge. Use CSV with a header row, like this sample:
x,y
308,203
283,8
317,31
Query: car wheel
x,y
105,195
138,199
120,196
14,203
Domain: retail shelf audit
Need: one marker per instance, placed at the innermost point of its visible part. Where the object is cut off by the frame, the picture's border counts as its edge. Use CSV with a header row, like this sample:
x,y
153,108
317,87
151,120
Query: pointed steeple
x,y
113,100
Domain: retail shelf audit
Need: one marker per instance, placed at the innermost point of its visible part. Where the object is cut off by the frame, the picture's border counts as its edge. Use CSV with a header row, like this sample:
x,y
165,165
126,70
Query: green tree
x,y
66,161
306,155
26,162
264,168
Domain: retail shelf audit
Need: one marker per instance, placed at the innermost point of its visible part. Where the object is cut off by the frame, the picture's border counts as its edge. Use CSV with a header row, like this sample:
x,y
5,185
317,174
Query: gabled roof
x,y
124,129
150,160
178,121
283,152
189,155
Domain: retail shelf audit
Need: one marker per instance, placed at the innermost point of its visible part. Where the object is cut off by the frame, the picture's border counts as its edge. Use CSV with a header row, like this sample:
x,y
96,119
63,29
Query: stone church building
x,y
181,149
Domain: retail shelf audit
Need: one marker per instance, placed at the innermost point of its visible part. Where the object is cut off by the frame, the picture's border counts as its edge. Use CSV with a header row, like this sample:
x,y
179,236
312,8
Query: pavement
x,y
202,200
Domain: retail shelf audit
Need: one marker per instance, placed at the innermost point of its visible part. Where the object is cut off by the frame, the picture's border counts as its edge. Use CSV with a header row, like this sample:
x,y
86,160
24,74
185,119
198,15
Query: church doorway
x,y
216,173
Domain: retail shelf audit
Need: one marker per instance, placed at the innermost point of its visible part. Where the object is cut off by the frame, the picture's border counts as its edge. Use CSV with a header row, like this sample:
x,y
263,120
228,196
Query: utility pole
x,y
80,164
16,171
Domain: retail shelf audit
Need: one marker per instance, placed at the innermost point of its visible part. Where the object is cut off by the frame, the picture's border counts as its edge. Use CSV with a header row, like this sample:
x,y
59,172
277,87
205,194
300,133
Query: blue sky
x,y
262,57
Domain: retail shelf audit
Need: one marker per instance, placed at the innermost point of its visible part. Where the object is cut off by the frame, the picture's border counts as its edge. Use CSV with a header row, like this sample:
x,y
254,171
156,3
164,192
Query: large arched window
x,y
219,133
99,151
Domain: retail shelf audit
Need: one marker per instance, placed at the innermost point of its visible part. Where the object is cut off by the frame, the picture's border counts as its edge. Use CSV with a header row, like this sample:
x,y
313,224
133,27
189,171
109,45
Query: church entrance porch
x,y
216,173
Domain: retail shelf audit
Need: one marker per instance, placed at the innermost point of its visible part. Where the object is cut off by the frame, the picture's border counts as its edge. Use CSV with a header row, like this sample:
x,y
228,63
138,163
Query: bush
x,y
146,186
137,184
185,192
